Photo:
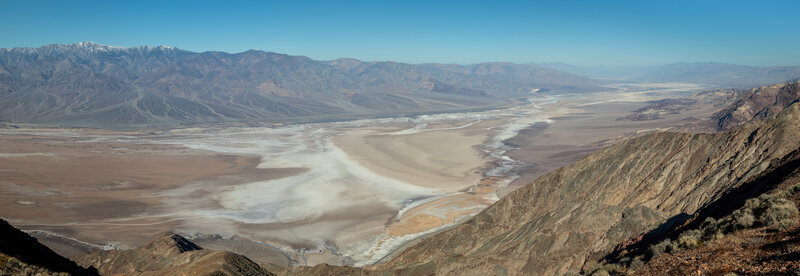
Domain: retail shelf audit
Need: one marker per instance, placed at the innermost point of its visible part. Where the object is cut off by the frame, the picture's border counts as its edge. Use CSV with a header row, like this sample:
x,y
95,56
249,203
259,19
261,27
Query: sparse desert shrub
x,y
775,210
600,272
662,247
765,210
689,239
755,203
790,191
712,229
612,268
743,218
12,266
636,264
709,223
785,224
710,235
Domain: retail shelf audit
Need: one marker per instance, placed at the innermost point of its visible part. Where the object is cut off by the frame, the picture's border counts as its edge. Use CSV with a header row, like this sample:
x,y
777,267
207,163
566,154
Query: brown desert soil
x,y
79,188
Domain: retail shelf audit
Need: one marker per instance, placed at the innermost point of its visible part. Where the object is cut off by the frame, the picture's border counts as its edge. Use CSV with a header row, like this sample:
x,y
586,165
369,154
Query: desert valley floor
x,y
347,192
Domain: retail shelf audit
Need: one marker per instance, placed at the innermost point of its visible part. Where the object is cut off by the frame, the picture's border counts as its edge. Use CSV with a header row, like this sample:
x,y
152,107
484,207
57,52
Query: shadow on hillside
x,y
781,247
731,200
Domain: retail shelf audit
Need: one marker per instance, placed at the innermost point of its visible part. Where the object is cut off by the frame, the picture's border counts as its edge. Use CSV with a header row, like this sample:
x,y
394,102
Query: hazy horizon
x,y
554,64
582,33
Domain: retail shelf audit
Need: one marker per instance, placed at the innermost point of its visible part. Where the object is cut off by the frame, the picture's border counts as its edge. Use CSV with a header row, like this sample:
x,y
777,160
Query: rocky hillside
x,y
736,106
21,254
571,218
171,254
757,104
750,244
751,230
88,84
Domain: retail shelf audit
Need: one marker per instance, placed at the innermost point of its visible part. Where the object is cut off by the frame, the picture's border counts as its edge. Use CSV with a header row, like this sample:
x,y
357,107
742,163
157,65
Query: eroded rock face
x,y
171,254
577,214
759,103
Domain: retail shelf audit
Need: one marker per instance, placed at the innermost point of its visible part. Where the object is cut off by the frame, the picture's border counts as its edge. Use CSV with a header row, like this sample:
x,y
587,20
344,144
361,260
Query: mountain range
x,y
720,75
88,84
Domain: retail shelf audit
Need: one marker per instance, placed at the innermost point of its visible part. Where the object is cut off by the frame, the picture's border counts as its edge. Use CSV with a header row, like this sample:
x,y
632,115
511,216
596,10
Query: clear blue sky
x,y
600,32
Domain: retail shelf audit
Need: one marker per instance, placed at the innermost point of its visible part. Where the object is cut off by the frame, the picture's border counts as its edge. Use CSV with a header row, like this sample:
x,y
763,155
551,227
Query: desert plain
x,y
350,192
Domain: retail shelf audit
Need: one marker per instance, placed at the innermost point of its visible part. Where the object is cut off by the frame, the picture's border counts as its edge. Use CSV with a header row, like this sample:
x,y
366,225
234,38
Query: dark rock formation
x,y
21,246
657,109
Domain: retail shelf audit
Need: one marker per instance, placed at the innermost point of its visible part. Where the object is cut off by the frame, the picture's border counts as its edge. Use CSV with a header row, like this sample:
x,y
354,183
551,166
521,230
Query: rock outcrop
x,y
750,230
19,252
171,254
757,104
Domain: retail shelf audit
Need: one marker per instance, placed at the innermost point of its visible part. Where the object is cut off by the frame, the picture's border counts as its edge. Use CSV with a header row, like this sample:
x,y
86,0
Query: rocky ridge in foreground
x,y
21,254
171,254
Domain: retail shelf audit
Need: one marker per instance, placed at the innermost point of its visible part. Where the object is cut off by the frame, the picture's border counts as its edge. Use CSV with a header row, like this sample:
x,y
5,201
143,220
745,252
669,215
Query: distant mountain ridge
x,y
730,75
89,84
709,73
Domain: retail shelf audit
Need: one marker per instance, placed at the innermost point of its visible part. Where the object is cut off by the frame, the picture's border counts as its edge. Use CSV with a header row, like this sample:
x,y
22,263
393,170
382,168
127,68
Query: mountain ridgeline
x,y
171,254
706,73
88,84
